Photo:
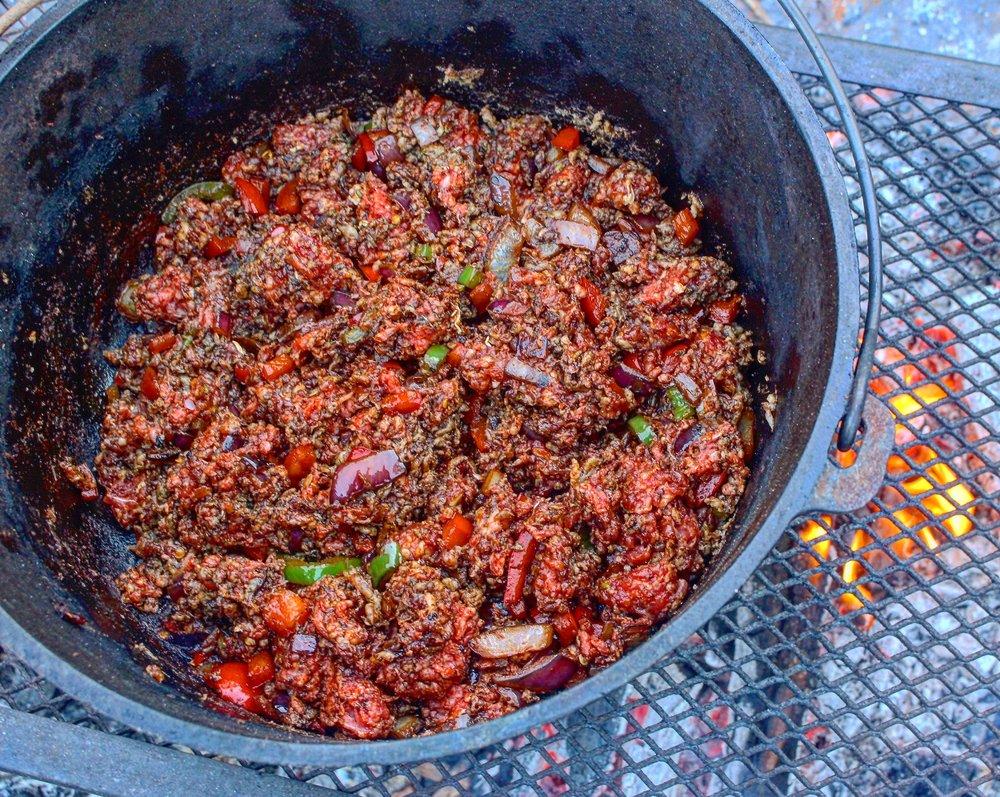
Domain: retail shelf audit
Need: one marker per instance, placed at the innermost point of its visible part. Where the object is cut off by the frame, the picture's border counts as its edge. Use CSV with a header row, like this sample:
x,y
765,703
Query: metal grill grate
x,y
862,655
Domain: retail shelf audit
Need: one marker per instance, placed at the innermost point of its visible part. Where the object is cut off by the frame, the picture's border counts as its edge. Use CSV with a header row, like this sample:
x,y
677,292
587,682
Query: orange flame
x,y
941,496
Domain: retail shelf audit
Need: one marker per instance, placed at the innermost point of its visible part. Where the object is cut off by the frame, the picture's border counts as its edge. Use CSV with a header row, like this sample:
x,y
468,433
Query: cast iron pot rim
x,y
699,607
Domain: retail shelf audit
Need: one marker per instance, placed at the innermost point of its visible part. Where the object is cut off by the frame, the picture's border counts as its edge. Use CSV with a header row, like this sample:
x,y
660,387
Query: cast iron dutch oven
x,y
107,107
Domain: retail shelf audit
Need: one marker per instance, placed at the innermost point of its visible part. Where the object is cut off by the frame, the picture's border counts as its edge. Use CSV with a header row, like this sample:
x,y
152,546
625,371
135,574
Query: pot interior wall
x,y
127,101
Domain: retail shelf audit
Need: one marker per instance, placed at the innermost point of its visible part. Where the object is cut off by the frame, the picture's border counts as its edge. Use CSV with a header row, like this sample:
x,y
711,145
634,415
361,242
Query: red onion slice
x,y
633,380
365,473
182,440
341,299
687,437
507,307
543,675
513,640
574,233
433,221
520,370
425,131
387,150
645,221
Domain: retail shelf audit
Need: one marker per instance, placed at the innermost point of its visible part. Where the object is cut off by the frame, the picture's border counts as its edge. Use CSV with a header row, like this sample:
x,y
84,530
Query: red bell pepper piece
x,y
725,311
277,368
288,202
402,403
260,669
148,385
232,681
162,343
685,227
284,611
299,462
593,303
218,246
365,157
253,195
566,628
517,569
477,423
457,531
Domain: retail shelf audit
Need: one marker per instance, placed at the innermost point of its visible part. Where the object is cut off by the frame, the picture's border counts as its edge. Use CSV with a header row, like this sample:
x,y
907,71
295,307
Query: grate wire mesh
x,y
861,657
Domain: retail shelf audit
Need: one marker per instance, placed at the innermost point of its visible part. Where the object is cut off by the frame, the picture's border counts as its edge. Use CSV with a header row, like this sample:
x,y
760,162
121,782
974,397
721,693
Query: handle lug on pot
x,y
842,489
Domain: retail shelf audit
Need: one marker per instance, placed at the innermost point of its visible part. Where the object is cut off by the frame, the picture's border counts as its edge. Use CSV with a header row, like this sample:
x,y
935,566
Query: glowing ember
x,y
941,499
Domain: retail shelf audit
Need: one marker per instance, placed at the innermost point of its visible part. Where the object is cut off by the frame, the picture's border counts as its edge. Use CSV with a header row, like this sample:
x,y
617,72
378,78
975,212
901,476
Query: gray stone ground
x,y
961,28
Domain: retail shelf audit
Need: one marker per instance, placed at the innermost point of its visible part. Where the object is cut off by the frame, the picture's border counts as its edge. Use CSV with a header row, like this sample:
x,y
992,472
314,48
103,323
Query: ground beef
x,y
420,402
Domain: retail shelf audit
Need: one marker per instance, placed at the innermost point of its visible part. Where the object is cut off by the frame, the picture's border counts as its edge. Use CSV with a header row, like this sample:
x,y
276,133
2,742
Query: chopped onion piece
x,y
366,473
599,165
387,150
425,131
625,377
645,221
433,221
304,643
501,193
504,250
513,640
687,437
688,387
342,299
542,675
574,233
518,369
748,433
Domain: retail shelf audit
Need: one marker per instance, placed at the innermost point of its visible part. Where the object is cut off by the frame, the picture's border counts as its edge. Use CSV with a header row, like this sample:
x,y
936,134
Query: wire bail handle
x,y
851,422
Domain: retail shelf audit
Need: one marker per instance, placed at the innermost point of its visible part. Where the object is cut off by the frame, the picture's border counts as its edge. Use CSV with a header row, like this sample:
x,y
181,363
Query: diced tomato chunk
x,y
593,303
685,227
457,531
370,273
260,669
277,368
299,462
162,343
284,611
567,139
455,355
253,195
288,202
217,246
148,385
